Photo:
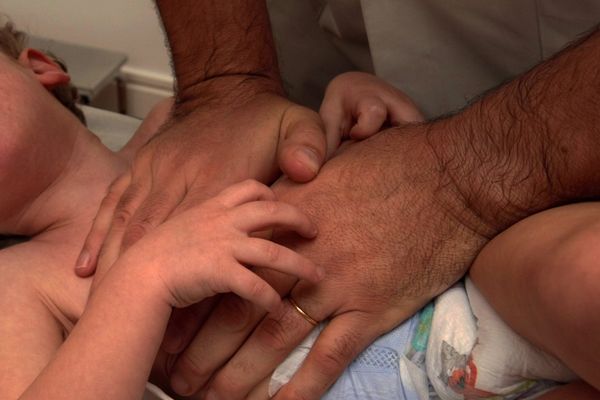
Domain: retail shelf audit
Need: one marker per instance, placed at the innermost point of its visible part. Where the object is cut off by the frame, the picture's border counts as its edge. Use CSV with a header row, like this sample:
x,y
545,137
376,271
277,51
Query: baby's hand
x,y
206,250
358,105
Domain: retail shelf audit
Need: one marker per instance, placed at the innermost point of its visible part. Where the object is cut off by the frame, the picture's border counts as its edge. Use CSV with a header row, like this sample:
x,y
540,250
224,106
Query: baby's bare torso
x,y
40,301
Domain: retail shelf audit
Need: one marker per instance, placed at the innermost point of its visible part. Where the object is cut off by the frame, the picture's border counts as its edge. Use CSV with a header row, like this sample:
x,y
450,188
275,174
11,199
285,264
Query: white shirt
x,y
442,53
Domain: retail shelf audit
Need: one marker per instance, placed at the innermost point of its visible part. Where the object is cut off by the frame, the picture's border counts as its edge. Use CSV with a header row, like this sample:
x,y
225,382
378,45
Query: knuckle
x,y
160,203
135,231
235,314
130,195
376,109
273,334
271,207
151,213
111,198
228,387
272,252
121,217
311,135
114,189
335,359
252,185
147,219
125,207
295,394
257,289
190,366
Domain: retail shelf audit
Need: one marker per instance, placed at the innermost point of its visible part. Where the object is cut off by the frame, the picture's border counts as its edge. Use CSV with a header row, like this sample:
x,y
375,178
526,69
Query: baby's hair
x,y
13,42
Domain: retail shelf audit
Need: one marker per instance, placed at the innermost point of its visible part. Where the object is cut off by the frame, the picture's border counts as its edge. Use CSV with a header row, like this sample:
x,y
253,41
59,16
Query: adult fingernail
x,y
309,158
179,385
83,260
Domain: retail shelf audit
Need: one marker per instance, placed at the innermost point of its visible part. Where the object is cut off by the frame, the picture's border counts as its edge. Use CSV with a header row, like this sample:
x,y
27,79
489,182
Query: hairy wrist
x,y
497,177
225,91
529,145
212,39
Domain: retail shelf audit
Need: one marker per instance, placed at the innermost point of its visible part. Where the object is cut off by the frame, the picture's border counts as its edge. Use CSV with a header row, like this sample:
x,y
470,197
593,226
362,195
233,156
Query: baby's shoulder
x,y
27,261
37,271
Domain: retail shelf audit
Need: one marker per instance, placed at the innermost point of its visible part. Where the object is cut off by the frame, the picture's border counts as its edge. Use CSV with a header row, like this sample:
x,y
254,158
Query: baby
x,y
57,343
54,341
54,173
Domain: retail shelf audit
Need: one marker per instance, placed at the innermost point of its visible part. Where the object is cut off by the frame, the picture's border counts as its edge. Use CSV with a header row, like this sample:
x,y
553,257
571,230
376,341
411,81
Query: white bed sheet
x,y
112,128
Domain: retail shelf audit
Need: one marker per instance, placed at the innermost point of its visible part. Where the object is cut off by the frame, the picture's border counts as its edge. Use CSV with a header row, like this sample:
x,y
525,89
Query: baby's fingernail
x,y
83,260
310,158
179,385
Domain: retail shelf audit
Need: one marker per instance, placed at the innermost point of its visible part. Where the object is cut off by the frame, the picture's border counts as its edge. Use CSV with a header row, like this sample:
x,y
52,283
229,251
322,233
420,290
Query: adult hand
x,y
392,235
247,134
401,216
230,122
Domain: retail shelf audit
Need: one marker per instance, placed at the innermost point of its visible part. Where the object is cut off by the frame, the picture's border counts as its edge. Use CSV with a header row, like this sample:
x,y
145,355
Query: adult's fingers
x,y
270,343
232,320
130,201
302,145
87,260
111,247
184,323
261,391
152,211
224,331
337,345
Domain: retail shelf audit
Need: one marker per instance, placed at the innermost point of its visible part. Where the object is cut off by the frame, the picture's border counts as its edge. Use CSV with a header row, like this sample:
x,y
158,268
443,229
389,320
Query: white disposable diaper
x,y
503,358
473,354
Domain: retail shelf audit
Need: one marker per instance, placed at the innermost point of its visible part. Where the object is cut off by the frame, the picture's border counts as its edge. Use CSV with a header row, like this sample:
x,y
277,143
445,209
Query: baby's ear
x,y
46,71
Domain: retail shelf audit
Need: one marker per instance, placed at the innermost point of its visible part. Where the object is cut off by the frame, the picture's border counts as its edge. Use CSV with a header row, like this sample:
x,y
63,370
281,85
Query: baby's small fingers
x,y
243,192
248,285
261,215
402,110
336,121
371,114
263,253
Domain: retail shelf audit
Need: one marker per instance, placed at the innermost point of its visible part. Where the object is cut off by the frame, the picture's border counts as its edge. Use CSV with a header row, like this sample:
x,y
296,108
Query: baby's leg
x,y
577,390
543,277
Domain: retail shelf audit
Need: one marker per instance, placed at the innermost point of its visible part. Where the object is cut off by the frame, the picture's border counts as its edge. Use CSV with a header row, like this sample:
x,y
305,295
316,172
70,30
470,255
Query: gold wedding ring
x,y
304,315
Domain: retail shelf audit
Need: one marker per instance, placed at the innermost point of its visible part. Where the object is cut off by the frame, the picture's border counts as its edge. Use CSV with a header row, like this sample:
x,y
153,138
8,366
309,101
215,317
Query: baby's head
x,y
38,134
12,44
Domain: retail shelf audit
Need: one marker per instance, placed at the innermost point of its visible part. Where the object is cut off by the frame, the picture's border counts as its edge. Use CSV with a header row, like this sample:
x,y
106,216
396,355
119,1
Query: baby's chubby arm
x,y
358,105
197,254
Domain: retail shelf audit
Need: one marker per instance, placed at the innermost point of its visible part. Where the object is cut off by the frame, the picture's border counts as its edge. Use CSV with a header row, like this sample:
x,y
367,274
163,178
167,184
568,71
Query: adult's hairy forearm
x,y
219,39
531,144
